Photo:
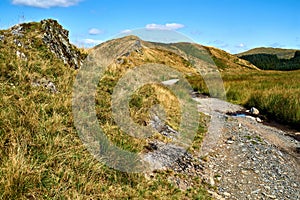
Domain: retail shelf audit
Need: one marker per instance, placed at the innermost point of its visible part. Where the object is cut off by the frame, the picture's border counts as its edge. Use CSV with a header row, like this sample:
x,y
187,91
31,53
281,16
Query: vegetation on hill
x,y
272,62
41,155
280,53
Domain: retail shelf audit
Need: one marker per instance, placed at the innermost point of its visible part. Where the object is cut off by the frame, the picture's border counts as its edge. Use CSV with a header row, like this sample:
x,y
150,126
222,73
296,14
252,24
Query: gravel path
x,y
244,159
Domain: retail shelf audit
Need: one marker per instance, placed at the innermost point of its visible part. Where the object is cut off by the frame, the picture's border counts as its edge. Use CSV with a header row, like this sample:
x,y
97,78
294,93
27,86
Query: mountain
x,y
222,59
279,52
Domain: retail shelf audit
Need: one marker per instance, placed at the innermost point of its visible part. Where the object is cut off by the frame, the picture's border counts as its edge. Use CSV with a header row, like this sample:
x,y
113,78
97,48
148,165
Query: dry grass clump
x,y
275,93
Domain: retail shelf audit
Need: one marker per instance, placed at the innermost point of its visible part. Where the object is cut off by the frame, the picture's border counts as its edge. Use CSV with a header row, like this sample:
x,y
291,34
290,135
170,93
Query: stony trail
x,y
245,159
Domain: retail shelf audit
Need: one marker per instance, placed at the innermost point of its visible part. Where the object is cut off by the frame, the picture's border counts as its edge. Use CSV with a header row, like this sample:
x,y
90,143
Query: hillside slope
x,y
41,153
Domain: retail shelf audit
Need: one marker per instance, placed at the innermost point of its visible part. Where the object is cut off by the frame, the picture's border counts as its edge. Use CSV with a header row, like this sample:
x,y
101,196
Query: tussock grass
x,y
275,93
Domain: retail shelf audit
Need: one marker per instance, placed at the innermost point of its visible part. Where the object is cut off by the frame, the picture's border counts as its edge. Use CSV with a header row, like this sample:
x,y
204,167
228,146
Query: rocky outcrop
x,y
49,36
57,39
17,30
1,37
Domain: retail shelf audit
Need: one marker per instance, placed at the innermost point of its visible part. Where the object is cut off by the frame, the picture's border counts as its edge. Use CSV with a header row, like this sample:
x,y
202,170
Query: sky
x,y
232,25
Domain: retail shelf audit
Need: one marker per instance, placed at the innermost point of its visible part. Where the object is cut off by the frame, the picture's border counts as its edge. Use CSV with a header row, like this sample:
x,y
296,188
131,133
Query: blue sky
x,y
232,25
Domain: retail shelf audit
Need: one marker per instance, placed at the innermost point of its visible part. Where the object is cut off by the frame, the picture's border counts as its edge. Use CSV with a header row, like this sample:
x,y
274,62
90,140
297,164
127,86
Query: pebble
x,y
255,191
211,181
227,194
252,166
270,196
229,142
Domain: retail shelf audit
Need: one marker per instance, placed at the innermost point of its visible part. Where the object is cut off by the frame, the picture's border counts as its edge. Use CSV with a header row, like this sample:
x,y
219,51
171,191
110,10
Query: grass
x,y
41,155
140,105
276,94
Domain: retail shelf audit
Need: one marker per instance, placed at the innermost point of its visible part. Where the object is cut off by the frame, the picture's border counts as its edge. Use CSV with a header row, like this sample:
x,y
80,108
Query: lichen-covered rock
x,y
44,82
17,30
57,39
42,40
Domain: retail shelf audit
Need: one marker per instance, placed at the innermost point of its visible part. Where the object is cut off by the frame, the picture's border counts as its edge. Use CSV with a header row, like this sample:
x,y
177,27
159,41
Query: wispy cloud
x,y
218,43
126,31
92,41
241,46
276,45
88,42
95,31
168,26
196,32
238,48
46,3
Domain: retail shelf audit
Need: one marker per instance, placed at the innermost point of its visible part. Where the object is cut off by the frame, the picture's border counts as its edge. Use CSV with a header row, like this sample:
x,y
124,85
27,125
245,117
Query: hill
x,y
41,153
279,52
273,59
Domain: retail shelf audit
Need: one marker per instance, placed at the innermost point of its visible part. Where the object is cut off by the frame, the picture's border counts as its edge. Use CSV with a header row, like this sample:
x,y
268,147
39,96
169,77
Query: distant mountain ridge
x,y
279,52
273,58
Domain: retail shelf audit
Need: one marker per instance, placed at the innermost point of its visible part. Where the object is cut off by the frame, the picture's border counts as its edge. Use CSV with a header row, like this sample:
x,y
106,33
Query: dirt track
x,y
245,159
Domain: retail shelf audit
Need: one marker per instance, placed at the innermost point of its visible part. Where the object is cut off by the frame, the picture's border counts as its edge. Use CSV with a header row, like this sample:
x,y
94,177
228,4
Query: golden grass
x,y
41,155
275,93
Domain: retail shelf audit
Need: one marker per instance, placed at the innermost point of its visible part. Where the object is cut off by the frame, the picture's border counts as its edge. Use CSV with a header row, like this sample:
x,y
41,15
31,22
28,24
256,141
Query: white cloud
x,y
87,42
239,48
170,26
46,3
95,31
127,31
242,45
92,41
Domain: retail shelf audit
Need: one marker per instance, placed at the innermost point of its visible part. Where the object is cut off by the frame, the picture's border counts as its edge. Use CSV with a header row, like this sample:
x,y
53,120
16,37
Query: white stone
x,y
170,82
254,111
258,120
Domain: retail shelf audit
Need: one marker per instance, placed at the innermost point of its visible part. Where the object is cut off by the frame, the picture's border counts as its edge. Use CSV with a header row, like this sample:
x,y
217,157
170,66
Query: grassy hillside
x,y
230,62
41,155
